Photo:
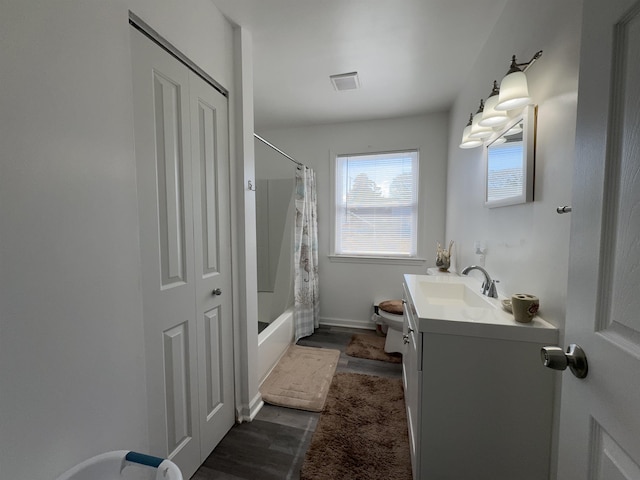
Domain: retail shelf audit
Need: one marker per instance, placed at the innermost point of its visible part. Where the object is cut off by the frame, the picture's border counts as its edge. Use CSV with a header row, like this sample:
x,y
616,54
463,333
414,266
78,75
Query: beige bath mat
x,y
301,378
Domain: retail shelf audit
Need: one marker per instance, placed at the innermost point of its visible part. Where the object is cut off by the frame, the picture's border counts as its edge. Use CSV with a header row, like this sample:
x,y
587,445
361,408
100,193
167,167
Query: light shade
x,y
478,131
490,116
466,141
513,130
514,92
469,142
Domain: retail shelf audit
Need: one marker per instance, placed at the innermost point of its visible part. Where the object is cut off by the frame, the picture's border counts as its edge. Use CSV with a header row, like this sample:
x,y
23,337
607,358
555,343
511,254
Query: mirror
x,y
510,161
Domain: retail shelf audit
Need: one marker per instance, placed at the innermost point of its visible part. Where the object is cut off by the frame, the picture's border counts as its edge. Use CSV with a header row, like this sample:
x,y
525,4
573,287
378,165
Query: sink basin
x,y
452,305
449,298
452,294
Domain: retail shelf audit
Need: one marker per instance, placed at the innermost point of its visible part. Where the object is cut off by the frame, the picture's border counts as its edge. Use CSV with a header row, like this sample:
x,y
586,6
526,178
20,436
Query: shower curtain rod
x,y
278,150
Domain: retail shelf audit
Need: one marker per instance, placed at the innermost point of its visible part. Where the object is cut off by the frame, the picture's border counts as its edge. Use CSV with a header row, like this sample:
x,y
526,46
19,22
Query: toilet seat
x,y
395,307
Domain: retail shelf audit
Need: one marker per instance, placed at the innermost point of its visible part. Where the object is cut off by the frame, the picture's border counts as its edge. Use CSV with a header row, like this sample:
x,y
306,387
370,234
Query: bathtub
x,y
273,341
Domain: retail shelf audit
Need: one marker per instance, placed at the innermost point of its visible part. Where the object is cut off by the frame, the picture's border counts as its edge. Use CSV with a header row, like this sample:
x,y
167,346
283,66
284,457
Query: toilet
x,y
389,313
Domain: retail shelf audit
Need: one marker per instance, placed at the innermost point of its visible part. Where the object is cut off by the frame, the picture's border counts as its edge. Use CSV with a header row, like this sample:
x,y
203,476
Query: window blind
x,y
376,204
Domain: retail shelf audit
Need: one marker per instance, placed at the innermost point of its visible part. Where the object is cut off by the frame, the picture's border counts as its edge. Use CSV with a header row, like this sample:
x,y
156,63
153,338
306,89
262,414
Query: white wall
x,y
347,290
71,345
244,231
527,245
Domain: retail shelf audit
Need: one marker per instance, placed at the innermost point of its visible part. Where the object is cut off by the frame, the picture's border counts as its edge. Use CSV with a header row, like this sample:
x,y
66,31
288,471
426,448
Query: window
x,y
376,204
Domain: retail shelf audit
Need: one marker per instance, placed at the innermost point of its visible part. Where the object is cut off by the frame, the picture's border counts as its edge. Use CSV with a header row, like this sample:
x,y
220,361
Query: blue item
x,y
143,459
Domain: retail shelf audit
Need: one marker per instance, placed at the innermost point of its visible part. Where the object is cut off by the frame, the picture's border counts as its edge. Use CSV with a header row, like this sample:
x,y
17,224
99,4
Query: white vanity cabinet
x,y
479,401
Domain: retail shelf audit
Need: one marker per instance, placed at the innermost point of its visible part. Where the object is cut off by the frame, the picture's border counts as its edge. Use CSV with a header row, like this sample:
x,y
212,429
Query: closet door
x,y
212,240
182,160
164,179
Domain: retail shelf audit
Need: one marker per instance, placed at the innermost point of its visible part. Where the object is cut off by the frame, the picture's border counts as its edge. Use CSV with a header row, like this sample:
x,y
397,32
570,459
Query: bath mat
x,y
362,432
364,345
301,378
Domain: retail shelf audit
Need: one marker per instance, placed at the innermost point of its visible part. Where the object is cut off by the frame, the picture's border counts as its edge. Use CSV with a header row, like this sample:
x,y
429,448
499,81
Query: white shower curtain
x,y
307,300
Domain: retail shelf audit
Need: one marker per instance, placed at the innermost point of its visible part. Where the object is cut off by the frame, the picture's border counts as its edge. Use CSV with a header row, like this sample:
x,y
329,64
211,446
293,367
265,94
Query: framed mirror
x,y
509,158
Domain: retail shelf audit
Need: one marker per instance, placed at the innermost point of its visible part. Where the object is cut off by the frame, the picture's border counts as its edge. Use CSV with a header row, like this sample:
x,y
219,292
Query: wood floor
x,y
272,447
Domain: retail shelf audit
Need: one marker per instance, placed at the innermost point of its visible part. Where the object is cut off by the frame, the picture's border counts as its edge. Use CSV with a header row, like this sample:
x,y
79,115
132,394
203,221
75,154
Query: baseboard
x,y
248,413
345,322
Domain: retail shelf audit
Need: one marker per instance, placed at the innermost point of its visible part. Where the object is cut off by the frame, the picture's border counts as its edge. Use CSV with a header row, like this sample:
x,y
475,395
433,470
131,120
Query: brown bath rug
x,y
301,378
364,345
362,432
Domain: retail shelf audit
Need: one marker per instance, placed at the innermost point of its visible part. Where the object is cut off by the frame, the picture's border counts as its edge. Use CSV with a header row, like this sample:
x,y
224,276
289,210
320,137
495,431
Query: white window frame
x,y
389,259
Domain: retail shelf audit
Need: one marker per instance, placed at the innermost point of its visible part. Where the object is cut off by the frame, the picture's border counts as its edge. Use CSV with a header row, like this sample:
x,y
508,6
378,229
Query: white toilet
x,y
386,313
393,319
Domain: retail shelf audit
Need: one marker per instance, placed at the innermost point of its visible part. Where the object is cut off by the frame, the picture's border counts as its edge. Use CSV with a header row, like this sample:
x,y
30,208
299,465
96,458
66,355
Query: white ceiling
x,y
412,56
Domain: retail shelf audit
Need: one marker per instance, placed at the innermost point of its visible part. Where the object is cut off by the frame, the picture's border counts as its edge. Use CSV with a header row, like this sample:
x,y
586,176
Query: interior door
x,y
182,160
163,171
600,418
212,240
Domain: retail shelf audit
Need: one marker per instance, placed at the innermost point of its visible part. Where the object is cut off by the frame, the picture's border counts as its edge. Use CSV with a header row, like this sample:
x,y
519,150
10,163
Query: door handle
x,y
557,359
217,291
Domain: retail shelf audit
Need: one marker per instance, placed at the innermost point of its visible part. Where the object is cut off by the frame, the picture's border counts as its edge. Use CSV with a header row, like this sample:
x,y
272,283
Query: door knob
x,y
557,359
217,291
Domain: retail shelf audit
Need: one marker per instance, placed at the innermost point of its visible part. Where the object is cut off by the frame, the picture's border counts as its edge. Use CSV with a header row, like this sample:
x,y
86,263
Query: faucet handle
x,y
492,291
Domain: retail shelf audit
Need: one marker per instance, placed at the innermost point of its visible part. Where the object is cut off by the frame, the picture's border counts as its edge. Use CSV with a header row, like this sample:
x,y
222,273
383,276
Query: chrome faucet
x,y
488,286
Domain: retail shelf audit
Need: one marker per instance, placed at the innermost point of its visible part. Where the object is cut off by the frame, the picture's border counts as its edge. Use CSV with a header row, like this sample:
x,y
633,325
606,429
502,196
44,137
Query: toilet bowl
x,y
394,322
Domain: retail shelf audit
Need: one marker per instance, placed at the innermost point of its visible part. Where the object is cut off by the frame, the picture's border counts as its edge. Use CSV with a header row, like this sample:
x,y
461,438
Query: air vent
x,y
345,81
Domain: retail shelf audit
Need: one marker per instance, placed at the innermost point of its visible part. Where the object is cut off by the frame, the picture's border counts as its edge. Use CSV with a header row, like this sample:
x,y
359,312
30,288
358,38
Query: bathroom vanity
x,y
479,402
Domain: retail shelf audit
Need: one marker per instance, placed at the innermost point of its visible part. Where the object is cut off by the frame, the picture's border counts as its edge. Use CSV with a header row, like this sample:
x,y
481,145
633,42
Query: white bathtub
x,y
273,341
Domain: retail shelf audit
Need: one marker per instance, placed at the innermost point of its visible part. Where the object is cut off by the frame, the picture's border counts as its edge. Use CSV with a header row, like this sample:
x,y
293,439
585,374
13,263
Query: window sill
x,y
378,260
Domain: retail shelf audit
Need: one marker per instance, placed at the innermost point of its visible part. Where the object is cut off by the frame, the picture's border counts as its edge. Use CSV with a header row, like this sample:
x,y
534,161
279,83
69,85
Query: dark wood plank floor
x,y
272,447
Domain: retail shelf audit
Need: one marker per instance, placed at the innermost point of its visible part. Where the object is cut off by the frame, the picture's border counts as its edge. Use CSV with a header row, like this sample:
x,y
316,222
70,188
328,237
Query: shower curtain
x,y
307,300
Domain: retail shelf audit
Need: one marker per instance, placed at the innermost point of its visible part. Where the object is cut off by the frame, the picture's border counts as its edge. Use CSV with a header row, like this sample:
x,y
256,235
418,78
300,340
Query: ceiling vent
x,y
345,81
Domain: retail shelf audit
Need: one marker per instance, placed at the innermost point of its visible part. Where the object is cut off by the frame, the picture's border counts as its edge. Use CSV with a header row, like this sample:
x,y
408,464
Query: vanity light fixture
x,y
503,104
514,91
490,116
466,141
478,131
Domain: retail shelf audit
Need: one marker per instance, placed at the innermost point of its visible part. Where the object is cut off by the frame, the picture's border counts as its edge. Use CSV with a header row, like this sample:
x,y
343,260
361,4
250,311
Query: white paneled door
x,y
212,241
181,142
600,414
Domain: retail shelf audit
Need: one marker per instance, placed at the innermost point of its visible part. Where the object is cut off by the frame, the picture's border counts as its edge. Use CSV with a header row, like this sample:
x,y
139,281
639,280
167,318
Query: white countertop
x,y
491,321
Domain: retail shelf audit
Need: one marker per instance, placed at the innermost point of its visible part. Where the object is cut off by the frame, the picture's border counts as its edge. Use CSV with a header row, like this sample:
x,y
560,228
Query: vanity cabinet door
x,y
412,376
486,409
